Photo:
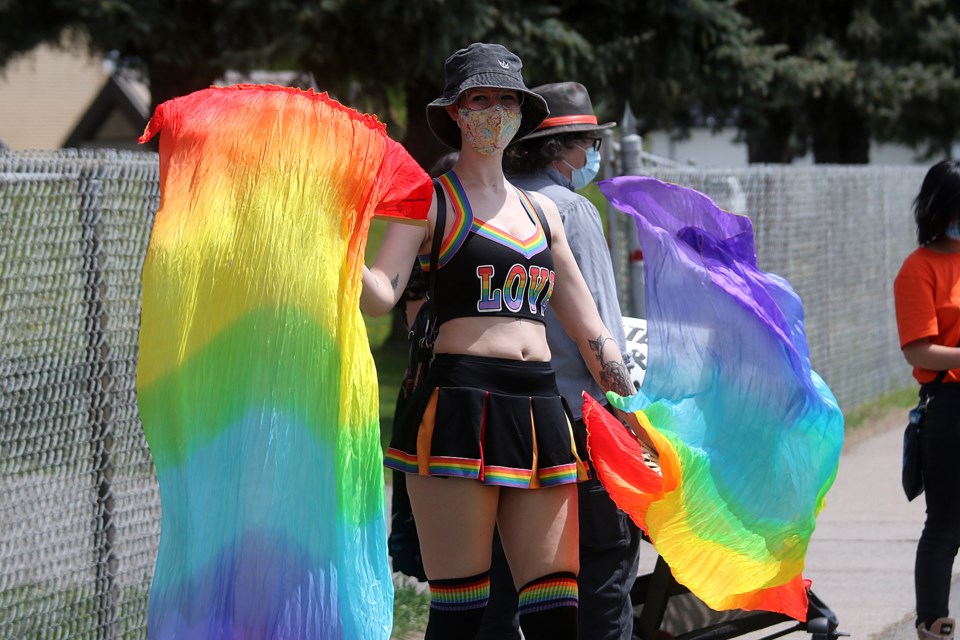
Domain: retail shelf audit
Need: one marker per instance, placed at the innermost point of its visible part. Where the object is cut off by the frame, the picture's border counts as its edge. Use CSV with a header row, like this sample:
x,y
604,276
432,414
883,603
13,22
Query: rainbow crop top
x,y
484,271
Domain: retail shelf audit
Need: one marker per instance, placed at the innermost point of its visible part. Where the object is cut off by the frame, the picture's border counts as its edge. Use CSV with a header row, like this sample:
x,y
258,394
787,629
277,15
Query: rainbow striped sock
x,y
549,592
460,594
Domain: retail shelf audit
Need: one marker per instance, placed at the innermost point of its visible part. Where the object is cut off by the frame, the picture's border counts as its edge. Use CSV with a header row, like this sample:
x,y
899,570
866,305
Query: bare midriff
x,y
510,338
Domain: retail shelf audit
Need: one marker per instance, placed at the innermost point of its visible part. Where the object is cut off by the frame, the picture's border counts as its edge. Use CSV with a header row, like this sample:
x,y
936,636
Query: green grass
x,y
391,360
880,407
410,612
35,612
378,330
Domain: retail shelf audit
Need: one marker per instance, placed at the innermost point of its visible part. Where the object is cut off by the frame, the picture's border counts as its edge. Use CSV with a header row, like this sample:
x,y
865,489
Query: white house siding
x,y
706,148
44,93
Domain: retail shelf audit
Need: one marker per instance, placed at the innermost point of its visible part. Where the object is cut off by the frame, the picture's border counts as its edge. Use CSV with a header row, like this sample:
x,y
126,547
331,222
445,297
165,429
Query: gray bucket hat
x,y
483,65
570,110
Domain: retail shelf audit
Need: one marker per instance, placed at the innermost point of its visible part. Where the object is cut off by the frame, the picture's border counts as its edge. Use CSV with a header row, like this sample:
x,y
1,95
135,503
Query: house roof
x,y
61,96
119,113
116,117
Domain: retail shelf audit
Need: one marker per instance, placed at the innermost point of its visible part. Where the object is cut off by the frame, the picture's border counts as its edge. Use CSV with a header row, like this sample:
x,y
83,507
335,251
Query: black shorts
x,y
502,422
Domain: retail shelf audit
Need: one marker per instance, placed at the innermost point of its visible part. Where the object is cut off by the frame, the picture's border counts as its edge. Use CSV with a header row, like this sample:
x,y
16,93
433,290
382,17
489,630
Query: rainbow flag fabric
x,y
748,435
255,383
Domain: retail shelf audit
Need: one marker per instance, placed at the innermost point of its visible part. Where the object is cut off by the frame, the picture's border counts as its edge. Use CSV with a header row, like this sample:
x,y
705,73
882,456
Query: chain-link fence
x,y
79,505
839,235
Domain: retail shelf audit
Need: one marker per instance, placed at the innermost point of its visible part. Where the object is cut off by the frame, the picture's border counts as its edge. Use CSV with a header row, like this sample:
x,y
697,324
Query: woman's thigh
x,y
455,519
538,528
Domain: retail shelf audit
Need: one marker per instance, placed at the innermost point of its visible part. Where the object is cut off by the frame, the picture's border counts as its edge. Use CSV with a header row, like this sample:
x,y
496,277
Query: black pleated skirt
x,y
501,422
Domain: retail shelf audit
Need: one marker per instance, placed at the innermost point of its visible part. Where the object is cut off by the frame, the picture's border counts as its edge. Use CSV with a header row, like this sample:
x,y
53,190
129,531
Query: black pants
x,y
941,533
609,546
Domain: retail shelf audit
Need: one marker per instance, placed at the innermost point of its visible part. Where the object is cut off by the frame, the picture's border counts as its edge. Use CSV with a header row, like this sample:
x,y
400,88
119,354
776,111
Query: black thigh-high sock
x,y
548,607
456,607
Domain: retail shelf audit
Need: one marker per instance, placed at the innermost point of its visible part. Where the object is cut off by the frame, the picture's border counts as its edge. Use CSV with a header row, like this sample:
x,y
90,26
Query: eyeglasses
x,y
483,99
595,142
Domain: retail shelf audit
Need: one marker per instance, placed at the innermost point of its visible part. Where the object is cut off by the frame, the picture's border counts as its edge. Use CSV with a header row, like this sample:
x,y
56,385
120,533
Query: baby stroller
x,y
666,610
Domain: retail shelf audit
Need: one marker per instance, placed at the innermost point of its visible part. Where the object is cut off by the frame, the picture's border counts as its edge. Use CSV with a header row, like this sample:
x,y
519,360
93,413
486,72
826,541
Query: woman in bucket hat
x,y
559,156
487,438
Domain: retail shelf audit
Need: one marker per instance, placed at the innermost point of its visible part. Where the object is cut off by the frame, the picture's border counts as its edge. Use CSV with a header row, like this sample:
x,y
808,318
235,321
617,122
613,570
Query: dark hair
x,y
529,156
938,203
443,164
417,285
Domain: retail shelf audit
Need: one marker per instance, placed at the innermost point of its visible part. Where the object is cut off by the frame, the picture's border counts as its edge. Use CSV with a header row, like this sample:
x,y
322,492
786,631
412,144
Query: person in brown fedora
x,y
559,156
486,439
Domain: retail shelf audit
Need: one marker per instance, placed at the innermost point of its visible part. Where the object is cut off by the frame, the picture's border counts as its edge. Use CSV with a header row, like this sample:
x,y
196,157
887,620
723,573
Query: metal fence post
x,y
616,223
632,158
101,434
610,150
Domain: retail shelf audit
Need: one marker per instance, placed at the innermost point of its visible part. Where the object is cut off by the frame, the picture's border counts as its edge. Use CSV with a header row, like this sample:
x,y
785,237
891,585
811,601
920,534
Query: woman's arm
x,y
385,280
573,303
932,357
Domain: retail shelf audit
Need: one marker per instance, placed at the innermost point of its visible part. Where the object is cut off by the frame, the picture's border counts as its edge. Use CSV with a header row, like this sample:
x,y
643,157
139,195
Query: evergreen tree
x,y
826,76
851,71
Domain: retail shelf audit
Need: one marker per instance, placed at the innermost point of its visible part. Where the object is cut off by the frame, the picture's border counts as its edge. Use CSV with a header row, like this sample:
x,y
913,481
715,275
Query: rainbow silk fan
x,y
748,435
255,383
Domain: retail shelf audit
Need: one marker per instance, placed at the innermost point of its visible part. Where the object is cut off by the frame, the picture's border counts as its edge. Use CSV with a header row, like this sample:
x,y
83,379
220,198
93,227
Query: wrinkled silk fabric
x,y
255,382
748,435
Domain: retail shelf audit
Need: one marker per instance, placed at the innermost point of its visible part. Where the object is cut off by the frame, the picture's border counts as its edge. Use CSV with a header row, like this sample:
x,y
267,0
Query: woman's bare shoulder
x,y
550,210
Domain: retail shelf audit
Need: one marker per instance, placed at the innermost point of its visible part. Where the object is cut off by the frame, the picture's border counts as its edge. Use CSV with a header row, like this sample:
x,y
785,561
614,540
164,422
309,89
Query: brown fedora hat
x,y
570,110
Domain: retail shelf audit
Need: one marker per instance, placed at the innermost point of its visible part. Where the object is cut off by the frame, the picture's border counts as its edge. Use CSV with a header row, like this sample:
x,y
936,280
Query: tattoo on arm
x,y
613,374
394,281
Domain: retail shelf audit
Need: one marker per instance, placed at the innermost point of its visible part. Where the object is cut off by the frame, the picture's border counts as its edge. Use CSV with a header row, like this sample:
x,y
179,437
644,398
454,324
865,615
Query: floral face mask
x,y
489,130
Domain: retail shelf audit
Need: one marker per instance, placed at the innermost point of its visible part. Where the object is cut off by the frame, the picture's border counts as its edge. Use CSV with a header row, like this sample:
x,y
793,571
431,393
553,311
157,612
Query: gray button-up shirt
x,y
584,230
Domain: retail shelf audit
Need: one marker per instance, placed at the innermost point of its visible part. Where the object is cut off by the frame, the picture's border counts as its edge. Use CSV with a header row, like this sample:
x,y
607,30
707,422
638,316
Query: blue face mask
x,y
584,175
953,231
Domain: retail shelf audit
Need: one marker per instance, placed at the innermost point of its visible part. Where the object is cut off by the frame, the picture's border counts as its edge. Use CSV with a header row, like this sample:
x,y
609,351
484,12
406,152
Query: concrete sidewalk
x,y
862,553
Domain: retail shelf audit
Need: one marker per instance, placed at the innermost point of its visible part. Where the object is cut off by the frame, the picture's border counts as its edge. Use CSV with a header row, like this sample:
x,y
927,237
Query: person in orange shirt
x,y
927,296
